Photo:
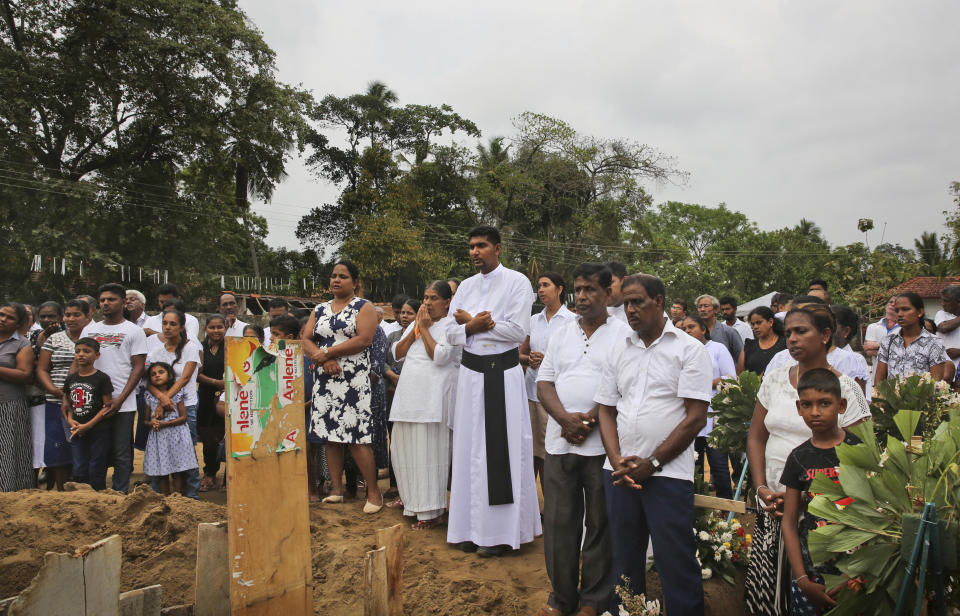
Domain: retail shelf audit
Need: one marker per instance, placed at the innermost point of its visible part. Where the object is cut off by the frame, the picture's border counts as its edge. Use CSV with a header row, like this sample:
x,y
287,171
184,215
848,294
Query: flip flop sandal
x,y
547,610
425,524
397,504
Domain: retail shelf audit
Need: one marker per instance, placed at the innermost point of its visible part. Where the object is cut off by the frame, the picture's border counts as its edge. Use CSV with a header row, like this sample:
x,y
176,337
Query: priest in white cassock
x,y
493,493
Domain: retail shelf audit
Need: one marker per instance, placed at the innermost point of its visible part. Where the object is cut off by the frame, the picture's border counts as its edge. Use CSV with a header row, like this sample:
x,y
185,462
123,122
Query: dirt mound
x,y
159,541
158,535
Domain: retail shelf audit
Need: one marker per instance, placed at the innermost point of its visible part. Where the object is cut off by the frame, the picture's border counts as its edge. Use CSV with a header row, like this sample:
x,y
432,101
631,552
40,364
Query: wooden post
x,y
268,520
391,539
376,600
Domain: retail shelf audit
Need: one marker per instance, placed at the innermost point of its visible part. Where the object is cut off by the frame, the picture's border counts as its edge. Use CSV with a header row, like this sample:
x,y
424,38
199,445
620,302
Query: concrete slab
x,y
101,573
141,602
56,589
212,585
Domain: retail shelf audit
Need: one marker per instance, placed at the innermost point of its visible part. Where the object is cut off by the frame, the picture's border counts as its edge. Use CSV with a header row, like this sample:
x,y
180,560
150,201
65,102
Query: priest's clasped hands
x,y
477,324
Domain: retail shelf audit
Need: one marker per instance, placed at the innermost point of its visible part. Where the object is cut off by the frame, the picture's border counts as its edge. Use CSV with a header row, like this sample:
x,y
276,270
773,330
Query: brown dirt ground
x,y
159,546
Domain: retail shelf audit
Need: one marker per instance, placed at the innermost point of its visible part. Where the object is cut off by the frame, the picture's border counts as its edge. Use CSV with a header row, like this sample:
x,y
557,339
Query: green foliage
x,y
929,402
863,537
732,410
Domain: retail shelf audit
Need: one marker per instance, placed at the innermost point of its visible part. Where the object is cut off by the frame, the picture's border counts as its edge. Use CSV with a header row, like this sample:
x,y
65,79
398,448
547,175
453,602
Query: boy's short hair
x,y
278,302
288,324
89,342
820,379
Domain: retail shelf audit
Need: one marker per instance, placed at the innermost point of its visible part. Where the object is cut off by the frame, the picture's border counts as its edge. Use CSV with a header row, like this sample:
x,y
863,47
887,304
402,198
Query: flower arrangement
x,y
721,546
633,605
732,409
920,392
863,538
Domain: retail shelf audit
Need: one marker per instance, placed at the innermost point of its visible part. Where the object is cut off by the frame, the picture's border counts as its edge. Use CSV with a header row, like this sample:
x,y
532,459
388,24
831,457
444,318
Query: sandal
x,y
426,524
369,507
397,504
332,499
206,484
548,610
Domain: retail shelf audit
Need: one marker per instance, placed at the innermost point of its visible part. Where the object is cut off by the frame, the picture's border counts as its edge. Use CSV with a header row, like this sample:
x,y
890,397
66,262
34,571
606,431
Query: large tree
x,y
128,123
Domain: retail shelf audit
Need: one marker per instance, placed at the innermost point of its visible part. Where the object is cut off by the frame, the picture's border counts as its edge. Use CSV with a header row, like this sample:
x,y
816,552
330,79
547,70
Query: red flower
x,y
855,584
740,532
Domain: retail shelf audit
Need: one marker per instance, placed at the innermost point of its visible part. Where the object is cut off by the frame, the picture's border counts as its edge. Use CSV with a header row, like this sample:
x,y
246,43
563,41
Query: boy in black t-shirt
x,y
820,404
87,394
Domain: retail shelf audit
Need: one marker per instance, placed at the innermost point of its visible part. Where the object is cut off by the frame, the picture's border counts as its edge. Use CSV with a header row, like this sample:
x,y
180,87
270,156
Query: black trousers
x,y
573,494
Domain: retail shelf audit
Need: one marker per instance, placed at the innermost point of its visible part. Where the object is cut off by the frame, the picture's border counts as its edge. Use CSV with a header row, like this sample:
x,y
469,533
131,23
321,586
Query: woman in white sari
x,y
421,411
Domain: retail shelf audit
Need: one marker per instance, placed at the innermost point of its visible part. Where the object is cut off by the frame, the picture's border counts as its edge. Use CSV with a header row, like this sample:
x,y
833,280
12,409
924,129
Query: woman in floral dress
x,y
337,339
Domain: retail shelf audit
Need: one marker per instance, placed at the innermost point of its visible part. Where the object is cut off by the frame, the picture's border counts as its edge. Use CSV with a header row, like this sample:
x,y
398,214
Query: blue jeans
x,y
90,457
191,478
123,450
720,471
662,512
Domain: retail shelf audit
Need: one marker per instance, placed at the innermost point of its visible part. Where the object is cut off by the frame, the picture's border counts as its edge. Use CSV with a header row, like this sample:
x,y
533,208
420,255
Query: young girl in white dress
x,y
169,449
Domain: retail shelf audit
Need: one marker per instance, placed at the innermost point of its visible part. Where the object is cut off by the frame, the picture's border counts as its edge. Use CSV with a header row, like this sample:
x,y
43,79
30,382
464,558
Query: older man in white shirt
x,y
493,493
653,398
573,495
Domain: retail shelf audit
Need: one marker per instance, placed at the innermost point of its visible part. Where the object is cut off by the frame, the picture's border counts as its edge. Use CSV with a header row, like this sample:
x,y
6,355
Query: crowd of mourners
x,y
468,398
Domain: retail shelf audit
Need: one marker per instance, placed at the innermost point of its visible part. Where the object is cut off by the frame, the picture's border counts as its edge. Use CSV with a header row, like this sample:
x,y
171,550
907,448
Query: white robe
x,y
508,296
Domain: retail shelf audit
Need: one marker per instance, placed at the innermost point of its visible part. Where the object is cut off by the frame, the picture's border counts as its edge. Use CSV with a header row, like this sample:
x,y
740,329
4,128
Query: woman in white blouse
x,y
184,354
421,411
777,429
552,291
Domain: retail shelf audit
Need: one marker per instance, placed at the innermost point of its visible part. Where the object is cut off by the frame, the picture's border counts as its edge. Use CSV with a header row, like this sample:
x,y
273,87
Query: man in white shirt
x,y
168,296
135,305
123,349
653,398
396,303
728,310
573,496
615,303
228,308
948,322
493,493
876,332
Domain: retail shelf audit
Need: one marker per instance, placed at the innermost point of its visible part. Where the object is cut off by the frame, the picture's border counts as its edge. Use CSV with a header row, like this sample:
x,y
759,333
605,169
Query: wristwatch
x,y
657,466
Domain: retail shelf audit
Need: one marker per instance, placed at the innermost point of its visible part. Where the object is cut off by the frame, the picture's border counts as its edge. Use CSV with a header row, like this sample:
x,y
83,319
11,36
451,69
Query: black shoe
x,y
467,546
496,550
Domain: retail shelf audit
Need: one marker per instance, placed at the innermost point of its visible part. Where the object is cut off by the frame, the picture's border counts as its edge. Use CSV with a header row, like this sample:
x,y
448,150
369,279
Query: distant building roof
x,y
927,287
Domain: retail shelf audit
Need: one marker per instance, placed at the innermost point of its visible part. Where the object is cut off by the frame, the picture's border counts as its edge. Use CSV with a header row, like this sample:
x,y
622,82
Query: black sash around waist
x,y
499,482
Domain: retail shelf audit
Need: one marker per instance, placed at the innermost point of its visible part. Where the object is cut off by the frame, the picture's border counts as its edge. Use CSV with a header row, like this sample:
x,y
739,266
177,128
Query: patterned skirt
x,y
16,448
767,587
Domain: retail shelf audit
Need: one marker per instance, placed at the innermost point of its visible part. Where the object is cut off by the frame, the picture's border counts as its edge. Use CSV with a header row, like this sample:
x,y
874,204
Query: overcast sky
x,y
831,111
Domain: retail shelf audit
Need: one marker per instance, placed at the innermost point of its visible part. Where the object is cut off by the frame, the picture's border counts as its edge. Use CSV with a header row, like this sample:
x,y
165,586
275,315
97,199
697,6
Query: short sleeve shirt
x,y
648,386
85,396
785,426
951,340
541,331
9,349
802,465
118,344
574,363
192,352
921,355
60,347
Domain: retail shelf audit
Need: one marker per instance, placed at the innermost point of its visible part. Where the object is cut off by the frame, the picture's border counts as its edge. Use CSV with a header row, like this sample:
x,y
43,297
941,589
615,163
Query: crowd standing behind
x,y
470,392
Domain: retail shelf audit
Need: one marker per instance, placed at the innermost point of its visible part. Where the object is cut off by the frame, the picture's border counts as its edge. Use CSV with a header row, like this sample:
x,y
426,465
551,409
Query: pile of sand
x,y
159,537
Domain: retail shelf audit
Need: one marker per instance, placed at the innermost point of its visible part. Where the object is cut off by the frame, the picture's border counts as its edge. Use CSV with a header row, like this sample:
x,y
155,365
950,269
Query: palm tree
x,y
929,248
488,157
262,127
375,103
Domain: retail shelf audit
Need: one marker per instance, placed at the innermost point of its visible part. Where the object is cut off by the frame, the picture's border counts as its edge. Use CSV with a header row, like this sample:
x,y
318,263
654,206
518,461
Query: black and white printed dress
x,y
341,402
